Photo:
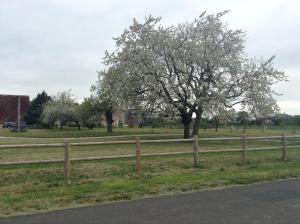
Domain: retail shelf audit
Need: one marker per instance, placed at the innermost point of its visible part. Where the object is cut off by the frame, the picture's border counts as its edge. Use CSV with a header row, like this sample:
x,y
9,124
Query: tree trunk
x,y
197,123
244,130
78,126
109,120
186,132
186,119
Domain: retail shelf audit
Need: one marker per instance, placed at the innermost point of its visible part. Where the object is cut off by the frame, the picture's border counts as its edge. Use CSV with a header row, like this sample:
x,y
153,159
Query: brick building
x,y
9,107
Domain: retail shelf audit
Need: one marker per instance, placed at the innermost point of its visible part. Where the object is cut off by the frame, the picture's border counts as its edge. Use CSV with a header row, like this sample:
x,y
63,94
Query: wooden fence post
x,y
284,148
67,161
196,149
244,152
138,155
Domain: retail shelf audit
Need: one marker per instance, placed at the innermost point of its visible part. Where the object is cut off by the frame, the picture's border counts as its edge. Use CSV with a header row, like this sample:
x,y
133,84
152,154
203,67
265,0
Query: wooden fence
x,y
138,145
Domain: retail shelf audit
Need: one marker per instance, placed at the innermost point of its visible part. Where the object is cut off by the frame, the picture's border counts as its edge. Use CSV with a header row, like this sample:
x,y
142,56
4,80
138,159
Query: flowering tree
x,y
107,92
63,109
190,66
90,112
243,119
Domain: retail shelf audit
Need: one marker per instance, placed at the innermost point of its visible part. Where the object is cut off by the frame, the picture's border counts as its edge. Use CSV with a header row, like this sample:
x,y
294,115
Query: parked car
x,y
22,126
8,124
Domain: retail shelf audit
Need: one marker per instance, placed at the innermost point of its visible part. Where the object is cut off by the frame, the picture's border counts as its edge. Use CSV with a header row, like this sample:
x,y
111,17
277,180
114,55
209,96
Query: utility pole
x,y
19,112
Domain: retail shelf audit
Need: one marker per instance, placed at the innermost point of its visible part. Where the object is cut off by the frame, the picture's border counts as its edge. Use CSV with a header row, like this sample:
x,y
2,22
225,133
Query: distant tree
x,y
283,119
33,114
216,121
90,112
107,91
243,119
204,123
219,114
277,120
63,109
297,120
231,117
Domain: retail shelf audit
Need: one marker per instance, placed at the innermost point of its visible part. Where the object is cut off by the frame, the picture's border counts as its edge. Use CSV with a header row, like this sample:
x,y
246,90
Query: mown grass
x,y
25,154
40,187
84,132
36,188
101,132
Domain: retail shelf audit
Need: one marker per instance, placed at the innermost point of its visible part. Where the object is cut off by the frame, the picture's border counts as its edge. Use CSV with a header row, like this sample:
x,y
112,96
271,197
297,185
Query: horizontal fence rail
x,y
102,137
138,152
264,137
149,141
102,143
142,141
32,145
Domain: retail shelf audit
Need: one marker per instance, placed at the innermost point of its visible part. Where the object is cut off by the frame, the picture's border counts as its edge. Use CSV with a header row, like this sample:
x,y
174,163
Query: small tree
x,y
231,118
90,112
243,119
216,121
297,120
107,91
33,114
63,109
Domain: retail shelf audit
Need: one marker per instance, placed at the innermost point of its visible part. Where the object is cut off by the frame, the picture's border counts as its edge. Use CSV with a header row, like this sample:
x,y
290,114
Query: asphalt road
x,y
276,202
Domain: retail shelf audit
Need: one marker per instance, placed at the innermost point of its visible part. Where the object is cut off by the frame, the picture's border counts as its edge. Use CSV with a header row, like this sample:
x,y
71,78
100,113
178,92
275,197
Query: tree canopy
x,y
191,66
63,109
33,114
90,112
106,92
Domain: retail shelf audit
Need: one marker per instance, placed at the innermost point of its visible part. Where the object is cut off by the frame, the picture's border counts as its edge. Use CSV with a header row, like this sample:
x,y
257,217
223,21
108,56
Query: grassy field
x,y
84,132
8,155
101,132
36,188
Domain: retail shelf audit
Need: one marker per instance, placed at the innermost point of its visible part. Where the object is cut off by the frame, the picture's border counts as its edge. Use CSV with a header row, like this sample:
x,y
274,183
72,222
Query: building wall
x,y
9,107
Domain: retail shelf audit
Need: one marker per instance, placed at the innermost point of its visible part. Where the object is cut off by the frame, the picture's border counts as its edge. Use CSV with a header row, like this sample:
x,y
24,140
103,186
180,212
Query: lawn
x,y
84,132
40,187
101,132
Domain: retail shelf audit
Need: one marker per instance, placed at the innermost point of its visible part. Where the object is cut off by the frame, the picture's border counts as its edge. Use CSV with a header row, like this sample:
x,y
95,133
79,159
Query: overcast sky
x,y
57,45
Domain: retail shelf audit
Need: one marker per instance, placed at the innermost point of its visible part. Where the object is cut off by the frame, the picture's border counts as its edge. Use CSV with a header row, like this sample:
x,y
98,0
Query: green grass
x,y
40,187
23,154
101,132
35,188
9,155
84,132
